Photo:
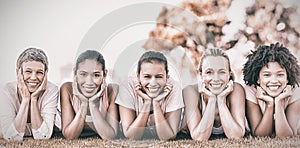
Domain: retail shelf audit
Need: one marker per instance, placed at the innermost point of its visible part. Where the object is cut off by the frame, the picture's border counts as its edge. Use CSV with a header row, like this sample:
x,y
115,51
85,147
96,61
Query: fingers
x,y
21,85
229,87
137,86
44,83
168,88
74,86
287,89
287,92
200,87
81,97
100,93
203,90
261,94
20,77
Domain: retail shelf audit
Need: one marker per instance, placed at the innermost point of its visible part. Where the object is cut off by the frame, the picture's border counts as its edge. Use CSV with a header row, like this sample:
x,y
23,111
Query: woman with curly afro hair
x,y
271,74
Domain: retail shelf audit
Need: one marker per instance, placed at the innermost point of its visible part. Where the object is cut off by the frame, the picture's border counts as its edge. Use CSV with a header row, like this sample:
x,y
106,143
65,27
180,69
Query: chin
x,y
274,94
31,90
88,95
152,95
216,91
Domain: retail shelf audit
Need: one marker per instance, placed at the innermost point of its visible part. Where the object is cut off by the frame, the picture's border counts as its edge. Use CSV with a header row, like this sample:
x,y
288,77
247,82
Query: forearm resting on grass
x,y
75,127
134,126
105,126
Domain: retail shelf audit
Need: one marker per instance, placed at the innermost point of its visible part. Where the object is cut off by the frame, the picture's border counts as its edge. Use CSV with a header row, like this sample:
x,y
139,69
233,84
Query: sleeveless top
x,y
103,108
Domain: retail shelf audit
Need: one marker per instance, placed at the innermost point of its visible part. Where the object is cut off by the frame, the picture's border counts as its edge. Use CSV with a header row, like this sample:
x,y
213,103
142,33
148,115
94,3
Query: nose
x,y
152,81
33,75
88,80
215,76
273,79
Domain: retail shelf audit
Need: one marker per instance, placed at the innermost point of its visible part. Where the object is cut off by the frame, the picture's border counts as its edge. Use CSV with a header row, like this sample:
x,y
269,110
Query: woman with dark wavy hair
x,y
271,74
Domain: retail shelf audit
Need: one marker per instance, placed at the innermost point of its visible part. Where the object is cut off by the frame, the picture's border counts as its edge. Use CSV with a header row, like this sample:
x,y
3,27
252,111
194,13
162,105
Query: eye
x,y
27,72
40,73
266,74
147,76
209,72
159,76
281,74
97,75
222,72
82,74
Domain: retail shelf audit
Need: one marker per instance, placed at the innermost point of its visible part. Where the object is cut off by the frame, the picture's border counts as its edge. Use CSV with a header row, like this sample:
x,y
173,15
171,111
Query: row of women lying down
x,y
151,104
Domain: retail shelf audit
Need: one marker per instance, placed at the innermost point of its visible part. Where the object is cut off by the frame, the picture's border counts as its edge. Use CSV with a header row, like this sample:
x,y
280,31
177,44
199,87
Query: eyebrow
x,y
267,71
150,74
213,69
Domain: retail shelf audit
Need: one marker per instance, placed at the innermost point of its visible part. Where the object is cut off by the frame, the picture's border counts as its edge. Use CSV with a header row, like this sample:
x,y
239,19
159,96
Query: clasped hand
x,y
262,95
208,94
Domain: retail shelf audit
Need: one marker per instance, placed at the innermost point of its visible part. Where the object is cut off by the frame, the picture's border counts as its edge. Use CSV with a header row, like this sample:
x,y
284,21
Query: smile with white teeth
x,y
216,85
89,89
32,83
153,89
273,87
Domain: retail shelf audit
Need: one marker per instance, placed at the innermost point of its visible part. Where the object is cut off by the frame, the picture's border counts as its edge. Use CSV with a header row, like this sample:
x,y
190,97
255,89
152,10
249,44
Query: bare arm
x,y
293,118
107,127
166,125
233,120
134,126
286,122
199,126
261,123
72,124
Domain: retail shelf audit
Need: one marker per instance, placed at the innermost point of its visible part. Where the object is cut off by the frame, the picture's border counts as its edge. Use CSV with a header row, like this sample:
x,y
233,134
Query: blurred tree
x,y
235,26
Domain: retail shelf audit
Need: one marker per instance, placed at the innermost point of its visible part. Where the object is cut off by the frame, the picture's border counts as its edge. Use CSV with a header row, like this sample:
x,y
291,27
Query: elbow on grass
x,y
199,137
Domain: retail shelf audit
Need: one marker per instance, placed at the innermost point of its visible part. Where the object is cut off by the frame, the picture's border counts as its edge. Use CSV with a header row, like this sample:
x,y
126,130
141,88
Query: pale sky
x,y
64,28
58,27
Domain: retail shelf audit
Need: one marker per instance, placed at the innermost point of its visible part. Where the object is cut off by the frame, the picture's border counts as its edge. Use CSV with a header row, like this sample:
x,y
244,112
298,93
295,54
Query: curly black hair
x,y
273,53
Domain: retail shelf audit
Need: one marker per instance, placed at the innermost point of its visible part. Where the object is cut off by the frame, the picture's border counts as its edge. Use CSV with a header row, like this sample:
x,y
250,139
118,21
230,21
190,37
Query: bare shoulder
x,y
237,94
296,92
66,85
112,90
296,95
113,87
190,93
191,88
66,91
238,87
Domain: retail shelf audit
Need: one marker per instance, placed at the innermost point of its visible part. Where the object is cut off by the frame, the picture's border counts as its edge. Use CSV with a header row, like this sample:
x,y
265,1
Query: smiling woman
x,y
214,106
88,103
273,95
29,105
151,102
